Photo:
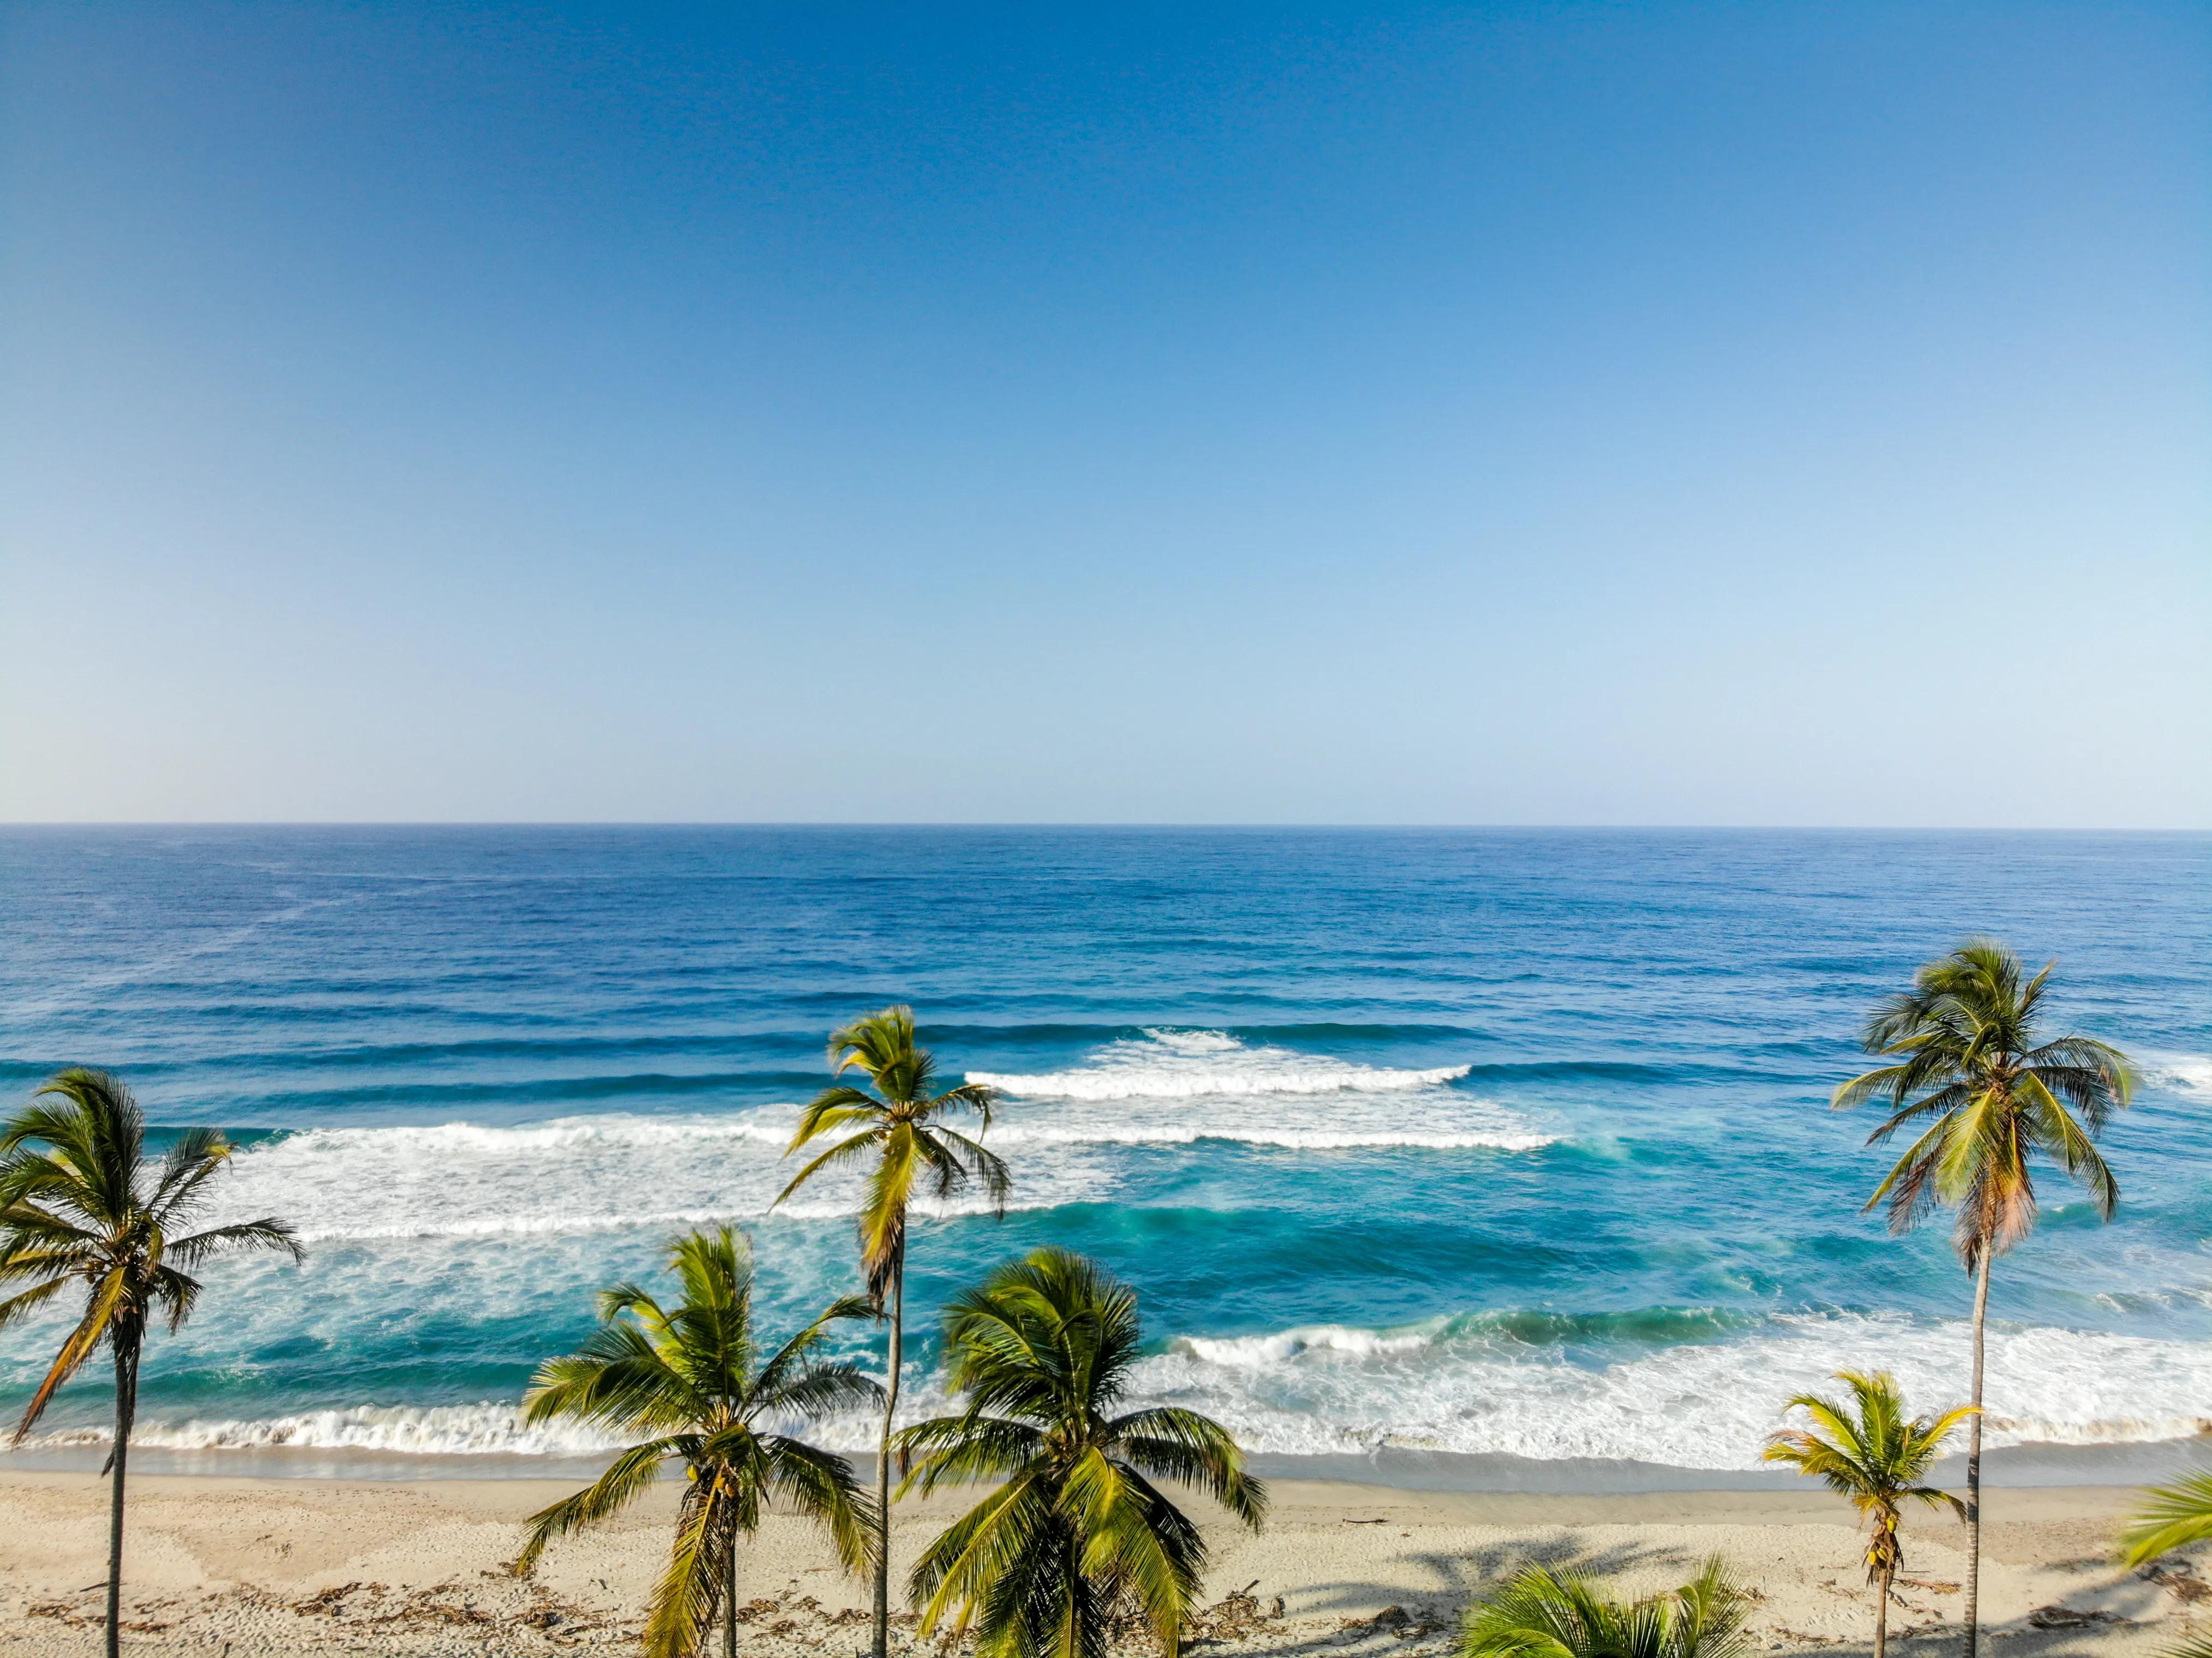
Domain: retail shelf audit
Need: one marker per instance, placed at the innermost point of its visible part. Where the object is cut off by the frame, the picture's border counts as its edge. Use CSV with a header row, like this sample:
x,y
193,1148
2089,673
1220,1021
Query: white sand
x,y
251,1567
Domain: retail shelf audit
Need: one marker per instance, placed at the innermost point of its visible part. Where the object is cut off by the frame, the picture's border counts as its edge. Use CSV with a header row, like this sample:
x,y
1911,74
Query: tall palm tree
x,y
1077,1535
1968,1062
80,1204
686,1375
900,1130
1878,1457
1544,1612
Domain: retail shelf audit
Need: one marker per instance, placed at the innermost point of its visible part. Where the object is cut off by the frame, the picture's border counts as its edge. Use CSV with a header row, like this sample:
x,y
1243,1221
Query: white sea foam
x,y
2188,1073
1332,1389
1178,1087
1442,1386
1181,1064
593,1174
484,1429
571,1176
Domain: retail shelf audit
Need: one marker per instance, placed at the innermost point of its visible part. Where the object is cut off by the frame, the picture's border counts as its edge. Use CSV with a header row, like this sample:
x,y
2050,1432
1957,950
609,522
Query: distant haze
x,y
1588,414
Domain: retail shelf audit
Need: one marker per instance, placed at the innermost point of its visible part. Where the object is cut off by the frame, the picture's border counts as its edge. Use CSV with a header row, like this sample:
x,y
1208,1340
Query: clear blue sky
x,y
1761,414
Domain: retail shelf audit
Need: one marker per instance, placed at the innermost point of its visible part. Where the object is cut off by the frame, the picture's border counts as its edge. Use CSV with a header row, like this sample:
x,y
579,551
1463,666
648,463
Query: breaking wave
x,y
1183,1064
1687,1388
1539,1387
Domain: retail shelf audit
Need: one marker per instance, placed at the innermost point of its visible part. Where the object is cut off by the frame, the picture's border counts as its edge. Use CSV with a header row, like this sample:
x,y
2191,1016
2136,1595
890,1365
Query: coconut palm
x,y
686,1375
1545,1612
1078,1536
1970,1071
1878,1457
900,1132
80,1204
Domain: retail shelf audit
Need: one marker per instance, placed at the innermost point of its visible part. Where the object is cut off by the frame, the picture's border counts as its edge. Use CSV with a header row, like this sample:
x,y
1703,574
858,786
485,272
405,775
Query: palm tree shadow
x,y
1455,1578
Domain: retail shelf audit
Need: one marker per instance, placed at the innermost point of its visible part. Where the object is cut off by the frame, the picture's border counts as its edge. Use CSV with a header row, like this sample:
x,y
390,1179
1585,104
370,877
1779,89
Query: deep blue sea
x,y
1481,1142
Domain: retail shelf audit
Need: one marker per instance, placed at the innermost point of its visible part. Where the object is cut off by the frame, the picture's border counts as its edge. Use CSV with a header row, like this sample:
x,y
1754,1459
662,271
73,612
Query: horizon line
x,y
1154,826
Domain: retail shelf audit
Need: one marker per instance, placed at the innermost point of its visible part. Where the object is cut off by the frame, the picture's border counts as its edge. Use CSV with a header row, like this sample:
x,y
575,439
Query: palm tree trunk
x,y
1881,1615
884,1458
730,1599
126,1411
1971,1610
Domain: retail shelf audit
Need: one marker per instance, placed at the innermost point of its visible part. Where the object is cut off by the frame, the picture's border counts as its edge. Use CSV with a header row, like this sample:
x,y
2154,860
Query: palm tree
x,y
79,1203
899,1129
1078,1536
1543,1612
1968,1062
1878,1458
685,1374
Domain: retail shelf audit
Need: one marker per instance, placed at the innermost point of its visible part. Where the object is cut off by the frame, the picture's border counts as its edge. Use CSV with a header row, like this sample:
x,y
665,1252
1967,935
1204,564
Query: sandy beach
x,y
250,1567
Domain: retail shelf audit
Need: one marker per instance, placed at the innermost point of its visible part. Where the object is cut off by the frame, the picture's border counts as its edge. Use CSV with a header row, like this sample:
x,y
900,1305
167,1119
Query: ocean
x,y
1425,1150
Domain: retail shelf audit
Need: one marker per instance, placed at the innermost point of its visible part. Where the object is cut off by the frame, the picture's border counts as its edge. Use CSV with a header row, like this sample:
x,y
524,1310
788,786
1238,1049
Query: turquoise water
x,y
1490,1143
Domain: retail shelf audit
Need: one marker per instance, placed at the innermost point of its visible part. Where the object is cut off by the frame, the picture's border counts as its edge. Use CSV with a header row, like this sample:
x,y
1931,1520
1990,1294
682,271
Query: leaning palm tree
x,y
1968,1062
1078,1537
900,1130
1879,1458
80,1204
1544,1612
686,1376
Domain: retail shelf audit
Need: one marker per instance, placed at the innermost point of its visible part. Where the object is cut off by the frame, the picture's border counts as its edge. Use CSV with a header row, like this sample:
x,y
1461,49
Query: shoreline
x,y
2035,1466
417,1568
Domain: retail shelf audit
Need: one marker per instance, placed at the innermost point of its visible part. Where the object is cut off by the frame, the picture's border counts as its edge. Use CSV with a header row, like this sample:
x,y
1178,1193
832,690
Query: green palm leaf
x,y
2177,1516
1545,1612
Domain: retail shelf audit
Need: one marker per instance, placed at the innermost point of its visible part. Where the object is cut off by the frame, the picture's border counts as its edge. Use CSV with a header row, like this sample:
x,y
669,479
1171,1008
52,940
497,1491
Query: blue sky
x,y
1538,414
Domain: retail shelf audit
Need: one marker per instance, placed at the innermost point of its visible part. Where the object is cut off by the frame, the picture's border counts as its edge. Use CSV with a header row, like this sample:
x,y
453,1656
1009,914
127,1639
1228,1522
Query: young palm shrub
x,y
1878,1457
686,1375
80,1204
1078,1536
1969,1069
900,1131
1543,1612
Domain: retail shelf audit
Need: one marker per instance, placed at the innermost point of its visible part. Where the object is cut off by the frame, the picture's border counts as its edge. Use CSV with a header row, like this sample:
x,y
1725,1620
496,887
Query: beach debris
x,y
2177,1577
1934,1586
2057,1617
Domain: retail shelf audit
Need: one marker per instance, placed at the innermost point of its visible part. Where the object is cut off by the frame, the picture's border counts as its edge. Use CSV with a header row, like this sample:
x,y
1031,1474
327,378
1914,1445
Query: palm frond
x,y
2175,1516
627,1478
108,1298
961,1450
682,1606
267,1233
823,1487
